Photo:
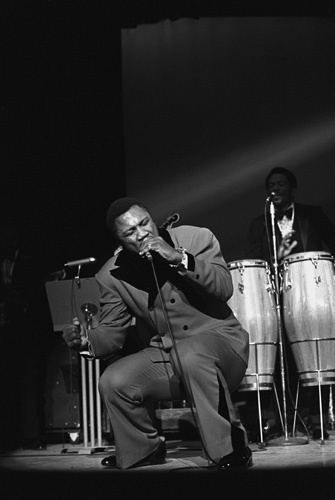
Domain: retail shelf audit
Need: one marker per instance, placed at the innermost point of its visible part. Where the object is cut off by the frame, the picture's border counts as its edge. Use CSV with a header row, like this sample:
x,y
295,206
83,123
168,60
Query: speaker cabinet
x,y
62,390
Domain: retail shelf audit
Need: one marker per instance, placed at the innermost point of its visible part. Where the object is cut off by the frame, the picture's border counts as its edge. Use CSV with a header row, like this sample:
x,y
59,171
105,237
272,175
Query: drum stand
x,y
91,402
283,440
262,444
92,368
331,410
319,384
70,298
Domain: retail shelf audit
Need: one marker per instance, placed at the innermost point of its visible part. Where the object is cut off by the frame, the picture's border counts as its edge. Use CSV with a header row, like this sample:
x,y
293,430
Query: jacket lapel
x,y
303,223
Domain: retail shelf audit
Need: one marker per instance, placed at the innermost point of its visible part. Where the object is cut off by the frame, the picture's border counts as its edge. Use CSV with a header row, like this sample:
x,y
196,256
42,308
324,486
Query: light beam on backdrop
x,y
228,177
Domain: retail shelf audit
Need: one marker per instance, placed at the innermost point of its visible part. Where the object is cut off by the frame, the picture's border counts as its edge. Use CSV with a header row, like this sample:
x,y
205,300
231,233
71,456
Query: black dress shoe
x,y
155,458
241,459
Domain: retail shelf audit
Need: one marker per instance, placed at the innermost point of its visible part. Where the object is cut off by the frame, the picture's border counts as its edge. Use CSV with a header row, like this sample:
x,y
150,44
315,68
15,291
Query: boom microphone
x,y
79,262
168,223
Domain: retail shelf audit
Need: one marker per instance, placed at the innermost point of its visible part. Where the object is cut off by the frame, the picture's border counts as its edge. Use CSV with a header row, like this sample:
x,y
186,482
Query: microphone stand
x,y
282,440
187,388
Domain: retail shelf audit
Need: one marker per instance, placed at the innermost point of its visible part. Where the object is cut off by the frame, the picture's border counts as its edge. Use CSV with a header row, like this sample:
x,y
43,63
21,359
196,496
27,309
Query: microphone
x,y
148,255
170,221
79,262
270,198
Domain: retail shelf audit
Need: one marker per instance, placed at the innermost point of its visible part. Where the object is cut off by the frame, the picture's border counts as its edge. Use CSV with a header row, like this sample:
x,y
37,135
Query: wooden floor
x,y
284,468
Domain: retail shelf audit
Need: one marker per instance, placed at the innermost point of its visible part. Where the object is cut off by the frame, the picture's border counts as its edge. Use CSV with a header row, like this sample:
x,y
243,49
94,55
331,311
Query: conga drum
x,y
254,305
308,295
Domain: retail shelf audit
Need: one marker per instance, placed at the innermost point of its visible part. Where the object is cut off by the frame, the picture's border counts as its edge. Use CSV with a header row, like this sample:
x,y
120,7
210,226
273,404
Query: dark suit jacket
x,y
313,231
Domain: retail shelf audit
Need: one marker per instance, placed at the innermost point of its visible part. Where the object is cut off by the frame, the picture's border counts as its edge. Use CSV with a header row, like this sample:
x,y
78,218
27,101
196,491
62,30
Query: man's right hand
x,y
286,246
75,335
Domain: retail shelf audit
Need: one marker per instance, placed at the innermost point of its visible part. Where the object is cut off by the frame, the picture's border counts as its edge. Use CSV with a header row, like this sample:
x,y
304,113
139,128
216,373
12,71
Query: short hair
x,y
119,207
292,180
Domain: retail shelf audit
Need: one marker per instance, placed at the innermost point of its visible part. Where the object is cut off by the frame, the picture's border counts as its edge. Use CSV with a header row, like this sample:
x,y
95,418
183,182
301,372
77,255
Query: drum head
x,y
298,257
235,264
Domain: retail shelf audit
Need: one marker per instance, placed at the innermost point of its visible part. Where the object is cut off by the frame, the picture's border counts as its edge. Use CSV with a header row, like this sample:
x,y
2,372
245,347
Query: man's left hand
x,y
162,248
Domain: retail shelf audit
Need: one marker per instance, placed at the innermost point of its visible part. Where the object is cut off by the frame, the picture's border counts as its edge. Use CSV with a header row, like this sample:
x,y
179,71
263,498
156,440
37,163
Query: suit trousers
x,y
205,365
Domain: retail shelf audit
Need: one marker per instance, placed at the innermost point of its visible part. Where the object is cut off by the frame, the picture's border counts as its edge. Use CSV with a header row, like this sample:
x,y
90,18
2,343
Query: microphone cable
x,y
187,389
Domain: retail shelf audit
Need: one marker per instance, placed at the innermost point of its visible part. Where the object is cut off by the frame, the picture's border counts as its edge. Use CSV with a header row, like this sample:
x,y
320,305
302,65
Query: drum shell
x,y
254,306
308,296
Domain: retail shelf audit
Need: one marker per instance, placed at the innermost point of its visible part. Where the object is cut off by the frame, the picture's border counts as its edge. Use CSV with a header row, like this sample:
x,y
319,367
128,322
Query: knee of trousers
x,y
189,359
111,384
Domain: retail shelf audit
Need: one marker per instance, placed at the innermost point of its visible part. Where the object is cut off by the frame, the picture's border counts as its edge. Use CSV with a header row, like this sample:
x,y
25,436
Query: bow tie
x,y
288,213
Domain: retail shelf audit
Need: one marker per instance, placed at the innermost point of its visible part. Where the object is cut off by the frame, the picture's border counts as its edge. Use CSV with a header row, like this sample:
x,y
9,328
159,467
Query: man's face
x,y
134,227
284,194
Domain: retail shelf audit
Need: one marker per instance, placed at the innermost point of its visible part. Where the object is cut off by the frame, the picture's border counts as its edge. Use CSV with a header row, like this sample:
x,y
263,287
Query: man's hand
x,y
75,335
162,248
286,246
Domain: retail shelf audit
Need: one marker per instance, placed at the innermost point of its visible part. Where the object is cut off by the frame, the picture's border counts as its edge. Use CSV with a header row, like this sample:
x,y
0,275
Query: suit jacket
x,y
313,232
194,302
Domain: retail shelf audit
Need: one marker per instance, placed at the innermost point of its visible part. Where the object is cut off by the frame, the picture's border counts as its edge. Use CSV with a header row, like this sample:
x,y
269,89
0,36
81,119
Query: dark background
x,y
62,101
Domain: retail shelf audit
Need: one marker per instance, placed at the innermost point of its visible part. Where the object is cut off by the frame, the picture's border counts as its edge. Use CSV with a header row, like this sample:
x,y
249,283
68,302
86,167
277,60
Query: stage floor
x,y
282,469
277,453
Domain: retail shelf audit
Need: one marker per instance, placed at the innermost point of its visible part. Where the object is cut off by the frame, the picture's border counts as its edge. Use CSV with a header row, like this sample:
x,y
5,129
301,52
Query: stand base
x,y
289,441
88,450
